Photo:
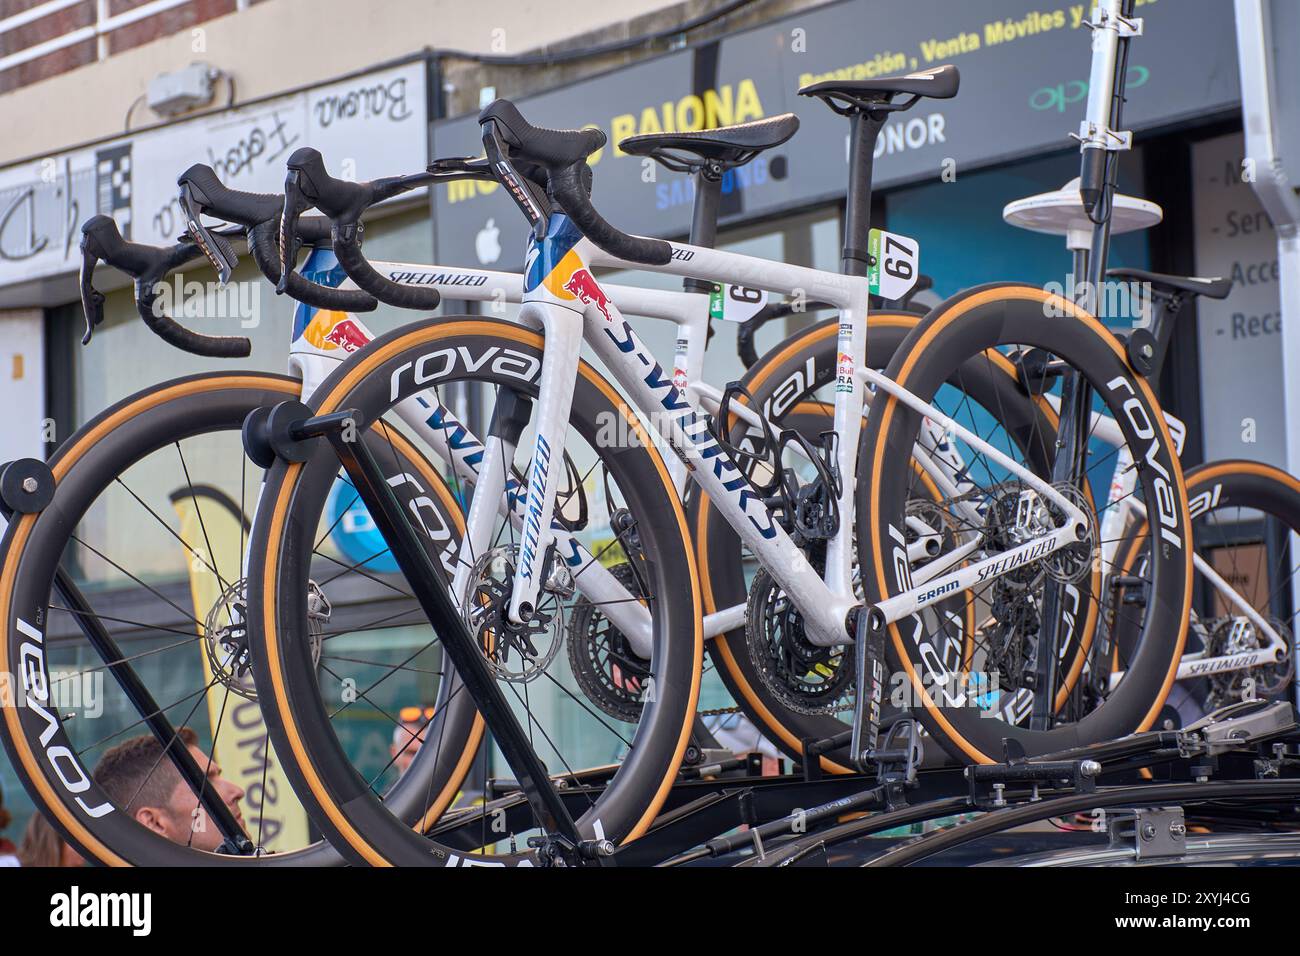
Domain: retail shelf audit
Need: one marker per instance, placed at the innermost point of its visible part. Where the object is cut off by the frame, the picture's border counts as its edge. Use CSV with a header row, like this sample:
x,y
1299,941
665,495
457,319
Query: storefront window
x,y
144,572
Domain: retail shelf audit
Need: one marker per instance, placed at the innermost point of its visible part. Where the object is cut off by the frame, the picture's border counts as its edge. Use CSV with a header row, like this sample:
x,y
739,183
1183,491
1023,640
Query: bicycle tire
x,y
33,545
493,351
970,323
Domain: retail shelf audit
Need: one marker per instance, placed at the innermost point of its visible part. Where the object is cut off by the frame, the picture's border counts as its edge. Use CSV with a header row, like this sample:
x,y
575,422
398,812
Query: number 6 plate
x,y
895,263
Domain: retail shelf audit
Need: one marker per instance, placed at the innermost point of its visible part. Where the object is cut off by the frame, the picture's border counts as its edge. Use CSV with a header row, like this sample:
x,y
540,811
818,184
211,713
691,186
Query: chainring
x,y
805,677
606,668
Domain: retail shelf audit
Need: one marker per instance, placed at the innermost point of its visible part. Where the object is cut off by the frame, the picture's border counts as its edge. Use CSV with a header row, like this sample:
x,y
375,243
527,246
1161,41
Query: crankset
x,y
806,677
607,669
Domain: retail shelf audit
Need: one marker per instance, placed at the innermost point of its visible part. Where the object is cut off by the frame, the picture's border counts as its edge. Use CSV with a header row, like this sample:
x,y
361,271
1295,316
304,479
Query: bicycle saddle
x,y
939,83
725,145
1217,288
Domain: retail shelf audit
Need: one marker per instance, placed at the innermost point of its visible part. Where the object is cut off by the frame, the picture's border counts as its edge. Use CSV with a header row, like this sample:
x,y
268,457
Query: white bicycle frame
x,y
468,457
464,452
569,306
936,454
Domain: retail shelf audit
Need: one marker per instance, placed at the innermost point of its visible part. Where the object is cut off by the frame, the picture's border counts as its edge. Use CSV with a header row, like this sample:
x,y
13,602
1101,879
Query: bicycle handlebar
x,y
508,138
566,185
308,184
101,241
203,193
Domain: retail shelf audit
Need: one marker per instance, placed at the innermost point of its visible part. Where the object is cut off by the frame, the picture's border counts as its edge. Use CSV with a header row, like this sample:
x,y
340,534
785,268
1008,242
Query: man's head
x,y
140,779
409,735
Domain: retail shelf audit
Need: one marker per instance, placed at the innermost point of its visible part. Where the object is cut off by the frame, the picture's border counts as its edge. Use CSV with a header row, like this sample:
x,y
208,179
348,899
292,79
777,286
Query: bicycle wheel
x,y
609,455
940,664
149,522
794,384
1244,514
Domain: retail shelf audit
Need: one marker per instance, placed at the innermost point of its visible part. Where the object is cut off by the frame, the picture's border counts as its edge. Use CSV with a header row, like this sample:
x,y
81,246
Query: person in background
x,y
408,735
738,734
8,852
44,846
138,777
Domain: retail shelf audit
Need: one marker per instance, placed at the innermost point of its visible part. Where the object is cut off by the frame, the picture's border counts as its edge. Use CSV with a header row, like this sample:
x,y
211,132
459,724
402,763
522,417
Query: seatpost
x,y
864,128
1111,100
1164,310
704,217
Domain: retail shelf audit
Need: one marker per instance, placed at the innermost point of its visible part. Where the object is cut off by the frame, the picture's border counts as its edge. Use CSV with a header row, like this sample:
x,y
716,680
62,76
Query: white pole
x,y
1278,196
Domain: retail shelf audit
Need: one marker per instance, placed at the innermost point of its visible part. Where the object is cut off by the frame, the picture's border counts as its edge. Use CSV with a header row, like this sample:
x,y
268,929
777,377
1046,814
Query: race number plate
x,y
736,303
895,264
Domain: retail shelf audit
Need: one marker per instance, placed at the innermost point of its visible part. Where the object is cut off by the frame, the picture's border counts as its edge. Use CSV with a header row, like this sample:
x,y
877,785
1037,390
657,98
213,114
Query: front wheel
x,y
128,587
972,690
618,503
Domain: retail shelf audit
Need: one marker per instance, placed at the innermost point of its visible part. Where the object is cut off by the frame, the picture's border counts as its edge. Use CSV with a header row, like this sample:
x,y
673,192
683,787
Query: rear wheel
x,y
972,691
1245,515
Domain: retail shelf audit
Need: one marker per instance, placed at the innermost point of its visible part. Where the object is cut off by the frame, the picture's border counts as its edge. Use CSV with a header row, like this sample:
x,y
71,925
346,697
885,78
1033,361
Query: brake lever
x,y
92,300
504,172
295,204
215,246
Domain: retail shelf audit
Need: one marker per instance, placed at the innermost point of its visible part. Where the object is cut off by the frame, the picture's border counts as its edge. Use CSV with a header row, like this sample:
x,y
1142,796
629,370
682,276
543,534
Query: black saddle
x,y
725,146
1216,288
939,83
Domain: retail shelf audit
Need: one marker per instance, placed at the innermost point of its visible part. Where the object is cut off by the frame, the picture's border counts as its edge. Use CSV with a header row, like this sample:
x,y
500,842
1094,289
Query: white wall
x,y
22,385
281,45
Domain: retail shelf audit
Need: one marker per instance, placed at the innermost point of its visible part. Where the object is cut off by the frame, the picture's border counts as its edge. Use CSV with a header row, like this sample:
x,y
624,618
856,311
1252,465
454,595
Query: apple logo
x,y
487,244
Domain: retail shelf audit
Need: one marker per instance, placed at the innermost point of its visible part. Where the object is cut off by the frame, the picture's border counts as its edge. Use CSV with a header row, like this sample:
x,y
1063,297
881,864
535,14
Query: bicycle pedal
x,y
897,760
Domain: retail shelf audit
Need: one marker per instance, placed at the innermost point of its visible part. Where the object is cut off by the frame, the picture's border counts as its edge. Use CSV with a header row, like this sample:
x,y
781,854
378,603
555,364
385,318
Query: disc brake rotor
x,y
1237,635
516,652
225,637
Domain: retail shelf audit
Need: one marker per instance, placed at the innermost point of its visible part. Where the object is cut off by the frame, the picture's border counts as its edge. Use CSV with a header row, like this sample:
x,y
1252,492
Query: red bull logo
x,y
334,330
347,336
844,373
583,285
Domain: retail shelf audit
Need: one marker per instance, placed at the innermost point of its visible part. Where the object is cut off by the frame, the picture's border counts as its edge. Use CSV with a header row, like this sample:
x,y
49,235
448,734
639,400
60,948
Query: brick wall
x,y
80,16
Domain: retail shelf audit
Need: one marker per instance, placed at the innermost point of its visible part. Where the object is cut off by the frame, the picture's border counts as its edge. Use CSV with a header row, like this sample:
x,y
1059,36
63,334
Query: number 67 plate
x,y
895,263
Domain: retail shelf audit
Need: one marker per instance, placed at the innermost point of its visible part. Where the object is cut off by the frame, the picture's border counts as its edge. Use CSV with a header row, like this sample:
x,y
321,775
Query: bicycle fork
x,y
564,841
